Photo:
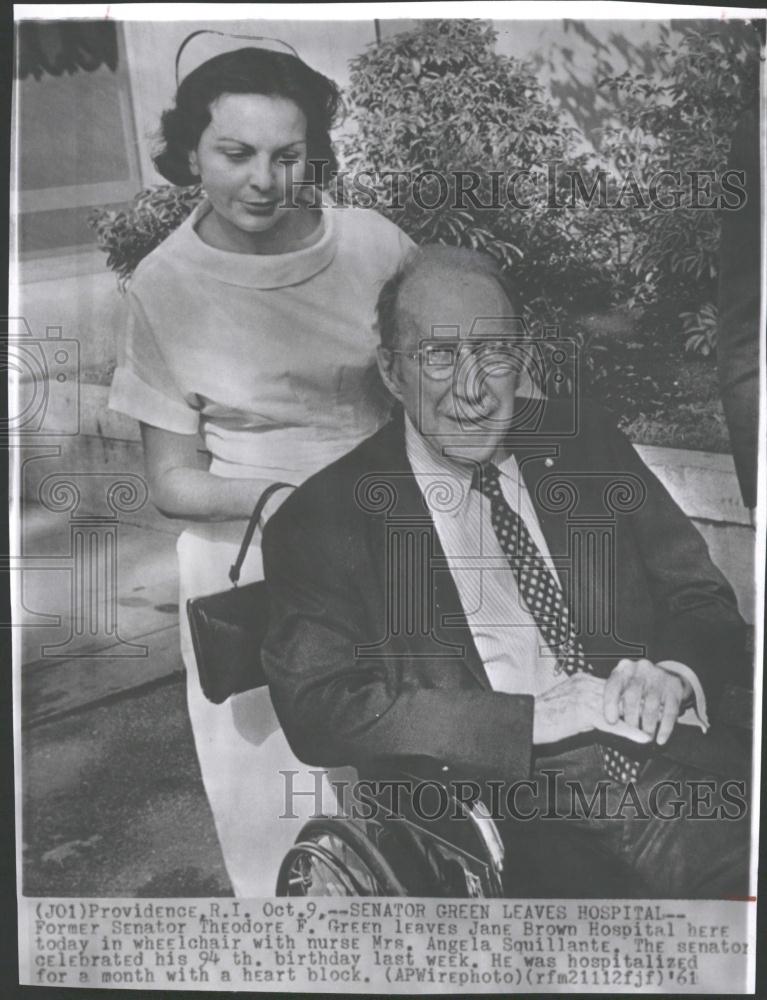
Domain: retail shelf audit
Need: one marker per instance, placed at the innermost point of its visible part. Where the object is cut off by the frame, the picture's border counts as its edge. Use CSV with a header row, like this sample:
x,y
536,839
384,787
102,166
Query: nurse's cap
x,y
217,43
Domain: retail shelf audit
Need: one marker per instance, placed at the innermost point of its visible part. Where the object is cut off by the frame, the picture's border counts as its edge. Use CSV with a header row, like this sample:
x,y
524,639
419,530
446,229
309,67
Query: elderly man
x,y
496,586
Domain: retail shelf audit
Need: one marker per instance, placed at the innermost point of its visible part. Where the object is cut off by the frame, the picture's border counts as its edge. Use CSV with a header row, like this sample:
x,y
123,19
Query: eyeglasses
x,y
439,360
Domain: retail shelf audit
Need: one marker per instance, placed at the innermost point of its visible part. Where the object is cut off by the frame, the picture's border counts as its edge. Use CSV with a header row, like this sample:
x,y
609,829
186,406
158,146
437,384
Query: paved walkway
x,y
64,671
113,803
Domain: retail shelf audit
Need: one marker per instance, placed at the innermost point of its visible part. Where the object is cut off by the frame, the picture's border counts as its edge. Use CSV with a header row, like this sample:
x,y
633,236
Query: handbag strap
x,y
234,569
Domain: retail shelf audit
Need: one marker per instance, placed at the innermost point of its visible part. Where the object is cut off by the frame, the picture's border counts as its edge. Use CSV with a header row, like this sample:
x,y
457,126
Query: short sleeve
x,y
143,386
406,245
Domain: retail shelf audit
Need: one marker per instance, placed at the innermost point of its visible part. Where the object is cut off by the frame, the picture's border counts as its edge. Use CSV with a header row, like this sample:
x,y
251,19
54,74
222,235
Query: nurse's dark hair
x,y
248,71
436,258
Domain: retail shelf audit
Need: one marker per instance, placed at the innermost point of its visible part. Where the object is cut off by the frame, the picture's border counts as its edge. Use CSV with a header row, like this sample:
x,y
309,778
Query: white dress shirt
x,y
516,658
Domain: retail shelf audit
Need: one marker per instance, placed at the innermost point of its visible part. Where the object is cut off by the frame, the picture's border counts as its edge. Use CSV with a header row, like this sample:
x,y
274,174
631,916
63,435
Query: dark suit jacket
x,y
368,657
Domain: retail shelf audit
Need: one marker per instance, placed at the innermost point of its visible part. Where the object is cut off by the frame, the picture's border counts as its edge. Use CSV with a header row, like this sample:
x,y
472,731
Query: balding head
x,y
426,292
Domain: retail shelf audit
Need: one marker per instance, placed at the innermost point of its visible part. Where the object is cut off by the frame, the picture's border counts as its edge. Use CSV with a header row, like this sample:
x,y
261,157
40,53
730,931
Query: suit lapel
x,y
406,512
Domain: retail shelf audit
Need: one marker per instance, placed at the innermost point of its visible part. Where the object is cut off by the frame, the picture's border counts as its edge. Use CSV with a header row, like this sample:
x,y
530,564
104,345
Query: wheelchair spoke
x,y
300,876
336,857
325,869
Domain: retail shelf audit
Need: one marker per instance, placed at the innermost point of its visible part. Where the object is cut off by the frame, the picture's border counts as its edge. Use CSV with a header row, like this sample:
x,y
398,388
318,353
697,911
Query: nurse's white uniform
x,y
270,359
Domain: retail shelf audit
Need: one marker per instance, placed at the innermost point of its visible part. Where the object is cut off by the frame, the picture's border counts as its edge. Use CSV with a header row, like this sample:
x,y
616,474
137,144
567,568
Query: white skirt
x,y
240,745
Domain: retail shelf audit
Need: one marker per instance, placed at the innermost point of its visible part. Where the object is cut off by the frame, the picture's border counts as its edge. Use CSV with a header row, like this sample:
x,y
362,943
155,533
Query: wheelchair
x,y
399,851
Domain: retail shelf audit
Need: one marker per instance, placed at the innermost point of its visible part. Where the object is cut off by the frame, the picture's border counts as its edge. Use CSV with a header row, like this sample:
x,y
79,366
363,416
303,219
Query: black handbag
x,y
229,627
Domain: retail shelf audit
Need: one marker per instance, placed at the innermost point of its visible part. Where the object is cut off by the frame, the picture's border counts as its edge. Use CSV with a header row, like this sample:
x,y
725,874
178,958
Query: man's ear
x,y
387,370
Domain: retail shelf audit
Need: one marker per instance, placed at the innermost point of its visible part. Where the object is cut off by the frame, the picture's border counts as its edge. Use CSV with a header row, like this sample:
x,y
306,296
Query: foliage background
x,y
635,287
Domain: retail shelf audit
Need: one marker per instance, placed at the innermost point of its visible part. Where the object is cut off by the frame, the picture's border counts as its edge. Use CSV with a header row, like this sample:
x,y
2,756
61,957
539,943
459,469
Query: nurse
x,y
248,358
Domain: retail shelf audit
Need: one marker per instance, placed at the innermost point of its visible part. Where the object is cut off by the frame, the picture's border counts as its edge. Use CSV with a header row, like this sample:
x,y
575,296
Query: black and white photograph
x,y
386,440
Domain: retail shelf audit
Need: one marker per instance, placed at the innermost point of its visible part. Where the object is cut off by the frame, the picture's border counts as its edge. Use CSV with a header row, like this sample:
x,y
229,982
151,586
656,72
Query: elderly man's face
x,y
461,400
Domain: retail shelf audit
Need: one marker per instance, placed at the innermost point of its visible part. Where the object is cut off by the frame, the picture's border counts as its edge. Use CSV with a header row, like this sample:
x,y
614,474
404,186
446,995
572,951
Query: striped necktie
x,y
543,597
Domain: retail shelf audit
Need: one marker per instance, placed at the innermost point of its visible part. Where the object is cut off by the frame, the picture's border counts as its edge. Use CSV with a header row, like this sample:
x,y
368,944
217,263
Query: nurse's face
x,y
246,158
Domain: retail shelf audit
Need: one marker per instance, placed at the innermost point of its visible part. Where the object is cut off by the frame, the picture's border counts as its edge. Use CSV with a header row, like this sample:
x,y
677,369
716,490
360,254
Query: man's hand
x,y
645,696
577,706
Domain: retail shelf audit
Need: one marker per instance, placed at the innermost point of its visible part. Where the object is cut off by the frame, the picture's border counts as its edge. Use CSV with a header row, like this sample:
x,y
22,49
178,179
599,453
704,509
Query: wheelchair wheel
x,y
333,857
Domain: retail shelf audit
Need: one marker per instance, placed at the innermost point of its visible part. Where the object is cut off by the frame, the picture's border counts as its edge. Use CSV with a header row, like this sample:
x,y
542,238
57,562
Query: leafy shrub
x,y
698,427
128,235
700,330
438,101
680,120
